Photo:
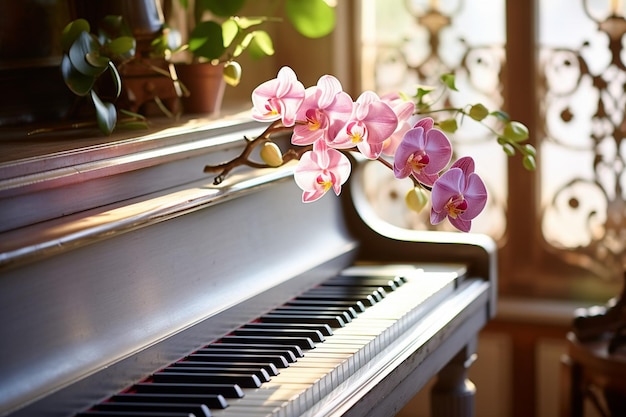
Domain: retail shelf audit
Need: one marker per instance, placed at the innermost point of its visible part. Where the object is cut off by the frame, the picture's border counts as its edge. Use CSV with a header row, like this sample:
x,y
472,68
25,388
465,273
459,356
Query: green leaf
x,y
230,30
261,45
105,114
132,114
311,18
449,81
448,125
134,125
79,84
515,131
113,26
222,8
207,40
117,80
122,46
85,44
478,112
247,22
71,31
423,91
94,59
500,115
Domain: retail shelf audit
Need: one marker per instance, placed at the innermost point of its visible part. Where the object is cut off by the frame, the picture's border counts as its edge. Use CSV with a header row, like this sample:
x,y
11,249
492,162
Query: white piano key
x,y
323,368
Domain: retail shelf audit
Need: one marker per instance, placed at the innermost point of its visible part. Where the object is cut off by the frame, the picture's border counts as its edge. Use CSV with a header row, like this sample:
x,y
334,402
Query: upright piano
x,y
130,285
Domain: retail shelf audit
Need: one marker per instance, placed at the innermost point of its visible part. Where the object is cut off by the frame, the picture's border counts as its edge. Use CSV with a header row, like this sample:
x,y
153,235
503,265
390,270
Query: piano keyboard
x,y
290,358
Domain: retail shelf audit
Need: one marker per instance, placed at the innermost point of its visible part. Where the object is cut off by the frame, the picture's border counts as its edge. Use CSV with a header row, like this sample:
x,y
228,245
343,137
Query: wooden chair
x,y
594,371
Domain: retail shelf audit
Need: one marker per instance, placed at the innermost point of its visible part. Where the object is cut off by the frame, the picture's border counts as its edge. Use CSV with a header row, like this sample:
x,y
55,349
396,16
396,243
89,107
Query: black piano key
x,y
367,300
302,342
276,360
378,292
104,413
198,410
270,368
347,290
358,281
324,329
332,321
290,310
314,335
225,390
215,401
346,293
397,279
243,380
358,306
290,353
258,372
349,310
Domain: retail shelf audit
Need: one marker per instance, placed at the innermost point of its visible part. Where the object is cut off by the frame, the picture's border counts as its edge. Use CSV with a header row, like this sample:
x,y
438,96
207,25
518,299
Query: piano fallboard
x,y
94,301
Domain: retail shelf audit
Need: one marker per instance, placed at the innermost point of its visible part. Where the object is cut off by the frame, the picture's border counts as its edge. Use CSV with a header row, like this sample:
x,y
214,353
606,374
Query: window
x,y
560,230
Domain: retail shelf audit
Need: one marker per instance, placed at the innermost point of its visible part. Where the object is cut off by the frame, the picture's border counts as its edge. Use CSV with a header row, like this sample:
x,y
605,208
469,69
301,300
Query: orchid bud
x,y
232,73
416,199
271,154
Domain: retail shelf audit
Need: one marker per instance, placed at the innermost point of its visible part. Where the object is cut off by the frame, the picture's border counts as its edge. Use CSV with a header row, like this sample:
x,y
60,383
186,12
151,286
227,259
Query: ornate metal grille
x,y
583,146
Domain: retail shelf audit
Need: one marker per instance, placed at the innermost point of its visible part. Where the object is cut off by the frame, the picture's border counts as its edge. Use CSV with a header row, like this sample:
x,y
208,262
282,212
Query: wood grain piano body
x,y
93,301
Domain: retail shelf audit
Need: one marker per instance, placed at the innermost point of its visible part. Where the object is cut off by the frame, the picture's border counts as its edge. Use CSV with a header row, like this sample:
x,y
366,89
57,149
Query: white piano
x,y
131,286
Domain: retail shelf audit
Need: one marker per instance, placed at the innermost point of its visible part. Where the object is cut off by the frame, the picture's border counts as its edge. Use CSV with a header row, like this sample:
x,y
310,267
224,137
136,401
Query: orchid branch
x,y
244,157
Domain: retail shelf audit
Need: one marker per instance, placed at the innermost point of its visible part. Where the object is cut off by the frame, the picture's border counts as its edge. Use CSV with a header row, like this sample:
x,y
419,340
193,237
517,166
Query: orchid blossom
x,y
279,98
459,194
423,153
328,125
404,111
371,123
325,110
320,170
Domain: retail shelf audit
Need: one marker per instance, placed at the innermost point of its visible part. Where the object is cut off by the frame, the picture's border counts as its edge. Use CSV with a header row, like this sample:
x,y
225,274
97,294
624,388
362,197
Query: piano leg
x,y
453,393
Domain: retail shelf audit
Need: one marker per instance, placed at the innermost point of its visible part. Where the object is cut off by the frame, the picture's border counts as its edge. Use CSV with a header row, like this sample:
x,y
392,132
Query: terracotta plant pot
x,y
206,87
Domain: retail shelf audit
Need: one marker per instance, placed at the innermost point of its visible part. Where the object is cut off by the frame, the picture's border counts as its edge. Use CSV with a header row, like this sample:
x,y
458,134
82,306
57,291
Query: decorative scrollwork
x,y
584,118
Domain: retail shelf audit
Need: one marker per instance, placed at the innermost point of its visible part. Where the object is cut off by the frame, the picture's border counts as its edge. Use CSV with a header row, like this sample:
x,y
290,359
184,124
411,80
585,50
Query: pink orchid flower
x,y
423,152
459,194
404,110
372,122
320,170
325,110
278,98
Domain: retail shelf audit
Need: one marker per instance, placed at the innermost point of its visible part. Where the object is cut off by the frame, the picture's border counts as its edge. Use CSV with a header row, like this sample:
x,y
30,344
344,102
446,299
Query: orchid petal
x,y
476,195
439,149
461,224
328,87
279,98
447,186
321,169
466,164
427,123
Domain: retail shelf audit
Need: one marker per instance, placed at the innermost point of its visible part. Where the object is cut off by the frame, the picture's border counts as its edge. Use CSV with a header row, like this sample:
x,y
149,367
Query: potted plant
x,y
218,34
89,64
108,57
